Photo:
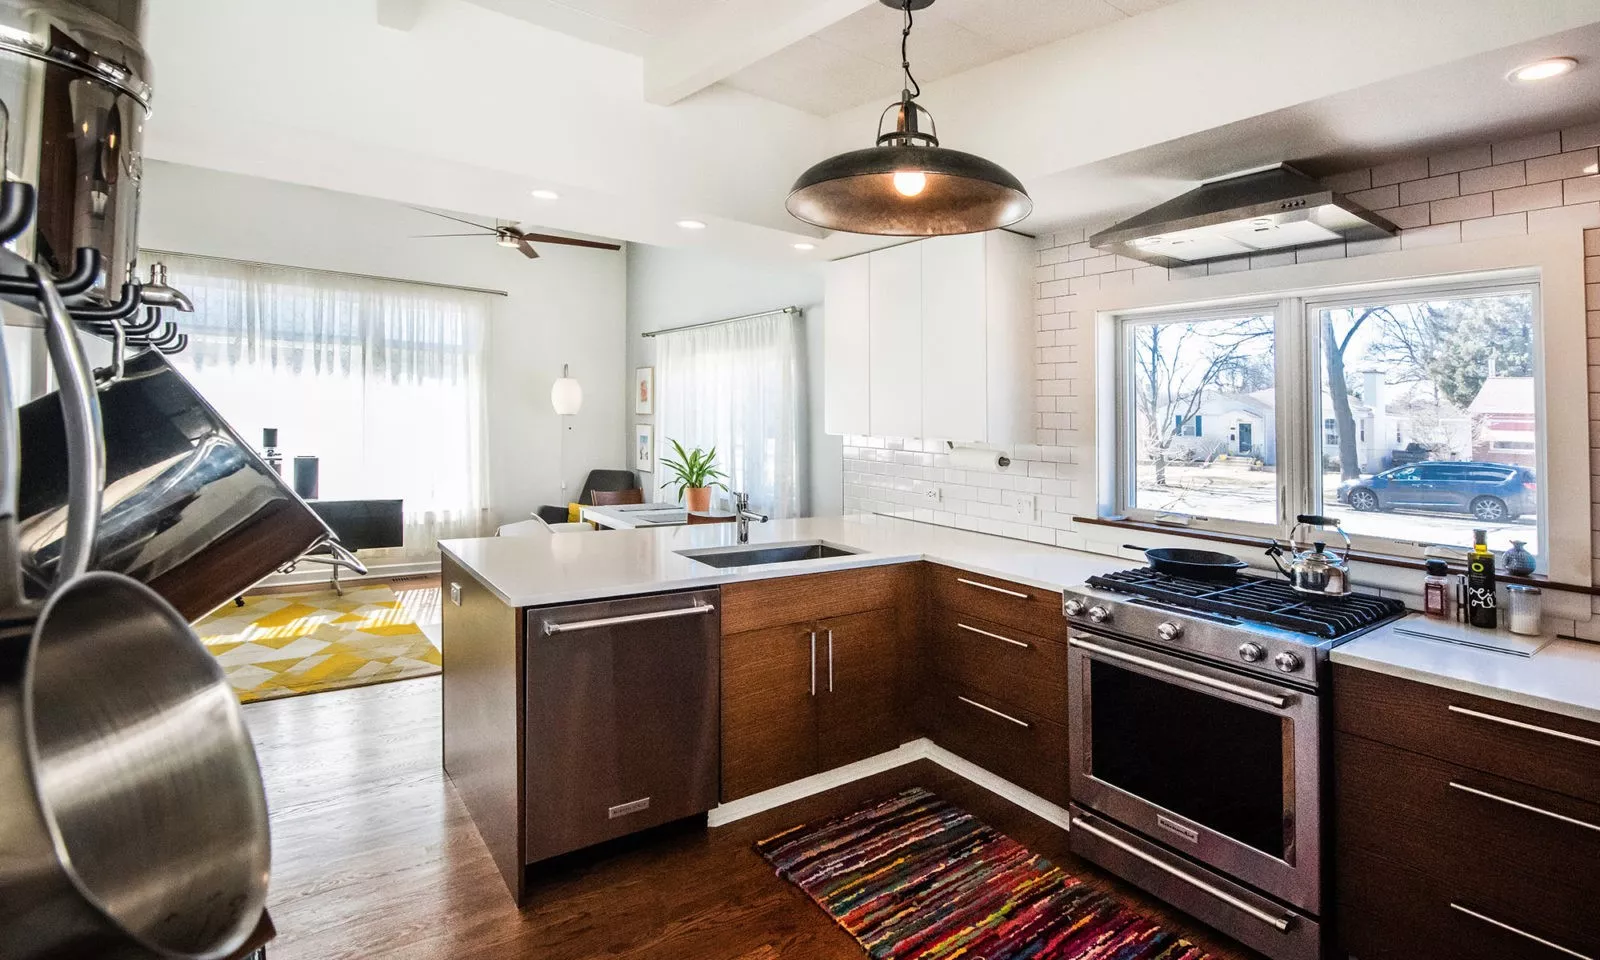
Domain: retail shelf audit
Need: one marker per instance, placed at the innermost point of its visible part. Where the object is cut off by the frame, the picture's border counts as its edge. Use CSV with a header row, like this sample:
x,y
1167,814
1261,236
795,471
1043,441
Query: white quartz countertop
x,y
565,567
1563,677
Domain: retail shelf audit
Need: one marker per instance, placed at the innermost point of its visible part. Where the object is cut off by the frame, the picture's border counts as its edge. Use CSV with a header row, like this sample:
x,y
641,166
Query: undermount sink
x,y
751,555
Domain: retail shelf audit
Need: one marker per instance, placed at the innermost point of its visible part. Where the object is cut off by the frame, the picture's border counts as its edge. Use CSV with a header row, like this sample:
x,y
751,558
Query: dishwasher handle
x,y
551,627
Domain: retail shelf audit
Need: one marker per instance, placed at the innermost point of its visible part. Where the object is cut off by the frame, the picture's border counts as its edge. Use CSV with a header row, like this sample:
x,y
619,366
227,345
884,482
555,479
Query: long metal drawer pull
x,y
1525,806
1281,924
1003,716
994,636
990,586
1491,921
1200,678
1523,726
551,627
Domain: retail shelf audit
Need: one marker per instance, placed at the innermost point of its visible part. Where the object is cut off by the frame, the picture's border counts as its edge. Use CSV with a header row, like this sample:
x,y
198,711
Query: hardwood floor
x,y
375,856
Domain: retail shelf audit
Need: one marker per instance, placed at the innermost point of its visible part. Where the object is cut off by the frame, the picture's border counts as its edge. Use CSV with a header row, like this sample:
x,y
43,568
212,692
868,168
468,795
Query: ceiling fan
x,y
508,235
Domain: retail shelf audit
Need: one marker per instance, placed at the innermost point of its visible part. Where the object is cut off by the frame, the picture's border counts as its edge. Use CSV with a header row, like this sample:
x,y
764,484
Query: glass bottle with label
x,y
1482,610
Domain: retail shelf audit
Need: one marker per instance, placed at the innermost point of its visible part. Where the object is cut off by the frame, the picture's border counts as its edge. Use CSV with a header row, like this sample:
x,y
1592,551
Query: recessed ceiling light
x,y
1542,69
546,195
805,246
692,224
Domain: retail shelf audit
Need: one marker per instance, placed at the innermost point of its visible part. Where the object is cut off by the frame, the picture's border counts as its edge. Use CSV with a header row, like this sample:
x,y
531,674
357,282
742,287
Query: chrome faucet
x,y
741,508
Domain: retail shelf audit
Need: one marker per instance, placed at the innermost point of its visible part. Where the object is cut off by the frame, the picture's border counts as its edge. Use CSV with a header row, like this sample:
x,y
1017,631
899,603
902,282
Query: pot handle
x,y
80,411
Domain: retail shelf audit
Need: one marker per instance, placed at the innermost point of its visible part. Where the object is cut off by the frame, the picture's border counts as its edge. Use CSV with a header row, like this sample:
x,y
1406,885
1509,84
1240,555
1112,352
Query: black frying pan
x,y
1202,564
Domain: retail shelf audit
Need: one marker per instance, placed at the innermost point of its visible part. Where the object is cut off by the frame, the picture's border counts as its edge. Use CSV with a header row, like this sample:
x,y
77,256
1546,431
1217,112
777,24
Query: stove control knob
x,y
1072,607
1251,652
1099,614
1169,631
1287,662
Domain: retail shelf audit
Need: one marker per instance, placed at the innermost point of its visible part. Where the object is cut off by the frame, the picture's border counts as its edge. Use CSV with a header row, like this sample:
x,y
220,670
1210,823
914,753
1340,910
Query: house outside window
x,y
1447,371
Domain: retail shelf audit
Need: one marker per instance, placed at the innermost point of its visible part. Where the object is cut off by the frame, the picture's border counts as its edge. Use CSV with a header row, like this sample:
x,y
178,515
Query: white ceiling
x,y
469,105
857,59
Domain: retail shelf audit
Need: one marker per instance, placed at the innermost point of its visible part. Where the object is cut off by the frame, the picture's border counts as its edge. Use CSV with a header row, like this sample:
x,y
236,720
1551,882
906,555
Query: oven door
x,y
1222,767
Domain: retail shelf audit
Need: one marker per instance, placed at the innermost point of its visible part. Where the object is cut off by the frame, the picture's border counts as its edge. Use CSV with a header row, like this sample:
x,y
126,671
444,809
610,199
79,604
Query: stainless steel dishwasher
x,y
621,717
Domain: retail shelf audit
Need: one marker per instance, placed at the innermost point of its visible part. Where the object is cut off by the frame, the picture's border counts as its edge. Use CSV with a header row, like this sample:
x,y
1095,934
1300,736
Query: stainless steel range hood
x,y
1278,208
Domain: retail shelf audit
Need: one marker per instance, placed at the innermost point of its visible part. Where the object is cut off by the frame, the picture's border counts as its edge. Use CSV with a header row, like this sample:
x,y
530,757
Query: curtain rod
x,y
718,323
331,273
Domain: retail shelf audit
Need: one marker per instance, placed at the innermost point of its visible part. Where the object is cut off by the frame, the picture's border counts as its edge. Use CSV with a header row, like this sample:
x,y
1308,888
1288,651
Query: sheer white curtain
x,y
382,381
740,388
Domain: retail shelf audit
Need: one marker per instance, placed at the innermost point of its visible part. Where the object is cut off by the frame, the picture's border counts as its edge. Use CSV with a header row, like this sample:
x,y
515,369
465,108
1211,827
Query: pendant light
x,y
907,185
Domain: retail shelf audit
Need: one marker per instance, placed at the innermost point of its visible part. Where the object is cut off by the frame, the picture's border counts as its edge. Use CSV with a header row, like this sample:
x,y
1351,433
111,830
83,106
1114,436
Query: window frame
x,y
1298,412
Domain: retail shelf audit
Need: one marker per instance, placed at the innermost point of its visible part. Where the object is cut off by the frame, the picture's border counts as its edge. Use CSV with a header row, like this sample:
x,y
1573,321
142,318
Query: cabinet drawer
x,y
998,601
1006,740
1499,847
1530,746
1002,662
757,604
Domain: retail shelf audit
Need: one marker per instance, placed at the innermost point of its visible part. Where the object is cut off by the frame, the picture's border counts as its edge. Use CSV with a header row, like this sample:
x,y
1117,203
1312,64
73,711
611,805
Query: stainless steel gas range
x,y
1197,732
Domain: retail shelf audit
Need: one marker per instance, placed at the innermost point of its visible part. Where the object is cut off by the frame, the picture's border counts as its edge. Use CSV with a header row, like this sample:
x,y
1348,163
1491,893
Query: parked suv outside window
x,y
1491,492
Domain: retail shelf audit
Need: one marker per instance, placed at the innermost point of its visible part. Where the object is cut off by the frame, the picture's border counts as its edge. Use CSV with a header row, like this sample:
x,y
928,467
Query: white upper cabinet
x,y
894,337
845,349
933,339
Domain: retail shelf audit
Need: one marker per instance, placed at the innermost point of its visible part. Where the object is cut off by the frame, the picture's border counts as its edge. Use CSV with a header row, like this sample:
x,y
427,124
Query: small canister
x,y
1526,604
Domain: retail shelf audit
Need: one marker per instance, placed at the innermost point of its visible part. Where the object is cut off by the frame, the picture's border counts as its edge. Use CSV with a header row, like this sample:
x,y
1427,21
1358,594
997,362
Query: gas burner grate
x,y
1259,599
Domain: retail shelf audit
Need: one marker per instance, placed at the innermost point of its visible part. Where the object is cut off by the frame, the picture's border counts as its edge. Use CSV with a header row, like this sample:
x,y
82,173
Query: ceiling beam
x,y
734,35
399,14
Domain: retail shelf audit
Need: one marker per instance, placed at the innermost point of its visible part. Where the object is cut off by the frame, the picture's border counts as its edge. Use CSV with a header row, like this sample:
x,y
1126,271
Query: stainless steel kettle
x,y
1312,567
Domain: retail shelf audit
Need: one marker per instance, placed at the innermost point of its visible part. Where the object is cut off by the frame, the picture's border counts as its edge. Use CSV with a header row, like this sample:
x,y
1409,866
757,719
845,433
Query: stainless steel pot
x,y
133,822
190,509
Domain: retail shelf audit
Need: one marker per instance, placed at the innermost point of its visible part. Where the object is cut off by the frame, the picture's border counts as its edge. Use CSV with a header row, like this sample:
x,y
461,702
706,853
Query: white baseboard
x,y
919,749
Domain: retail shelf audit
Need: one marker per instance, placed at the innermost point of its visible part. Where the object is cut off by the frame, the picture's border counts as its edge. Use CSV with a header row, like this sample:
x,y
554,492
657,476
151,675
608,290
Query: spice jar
x,y
1526,605
1436,590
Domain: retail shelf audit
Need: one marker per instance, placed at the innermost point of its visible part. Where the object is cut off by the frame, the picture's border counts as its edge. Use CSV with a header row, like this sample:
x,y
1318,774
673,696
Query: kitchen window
x,y
1450,371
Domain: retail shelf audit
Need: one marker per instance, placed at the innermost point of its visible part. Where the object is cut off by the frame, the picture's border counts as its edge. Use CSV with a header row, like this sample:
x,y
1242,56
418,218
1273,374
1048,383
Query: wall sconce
x,y
566,396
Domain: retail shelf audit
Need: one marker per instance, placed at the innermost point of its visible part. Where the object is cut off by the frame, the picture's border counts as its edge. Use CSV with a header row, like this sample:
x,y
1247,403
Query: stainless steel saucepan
x,y
133,822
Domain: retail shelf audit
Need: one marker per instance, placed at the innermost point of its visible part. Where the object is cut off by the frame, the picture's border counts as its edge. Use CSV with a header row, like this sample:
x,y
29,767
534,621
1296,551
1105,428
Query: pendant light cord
x,y
905,59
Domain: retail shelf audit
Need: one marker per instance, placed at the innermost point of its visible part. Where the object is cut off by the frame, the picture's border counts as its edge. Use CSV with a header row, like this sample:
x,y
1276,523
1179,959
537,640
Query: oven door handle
x,y
1281,924
1270,699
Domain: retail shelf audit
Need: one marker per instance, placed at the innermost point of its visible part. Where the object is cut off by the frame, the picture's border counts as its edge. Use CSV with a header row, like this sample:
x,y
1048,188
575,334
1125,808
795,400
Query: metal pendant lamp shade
x,y
908,185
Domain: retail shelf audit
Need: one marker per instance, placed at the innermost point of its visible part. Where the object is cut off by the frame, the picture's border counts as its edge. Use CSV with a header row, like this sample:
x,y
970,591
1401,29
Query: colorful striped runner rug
x,y
912,876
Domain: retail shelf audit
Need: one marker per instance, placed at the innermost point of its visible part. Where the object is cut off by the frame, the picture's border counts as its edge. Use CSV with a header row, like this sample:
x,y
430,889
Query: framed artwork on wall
x,y
644,448
644,390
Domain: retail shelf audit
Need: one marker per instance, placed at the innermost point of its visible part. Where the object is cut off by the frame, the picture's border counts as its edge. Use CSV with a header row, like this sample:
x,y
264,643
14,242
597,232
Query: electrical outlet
x,y
1023,505
932,493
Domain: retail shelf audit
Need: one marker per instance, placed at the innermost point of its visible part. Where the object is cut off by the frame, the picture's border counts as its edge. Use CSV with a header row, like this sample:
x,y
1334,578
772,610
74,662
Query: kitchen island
x,y
826,669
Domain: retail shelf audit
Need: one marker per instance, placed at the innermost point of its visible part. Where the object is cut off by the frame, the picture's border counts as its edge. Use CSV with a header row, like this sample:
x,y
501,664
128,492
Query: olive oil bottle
x,y
1481,608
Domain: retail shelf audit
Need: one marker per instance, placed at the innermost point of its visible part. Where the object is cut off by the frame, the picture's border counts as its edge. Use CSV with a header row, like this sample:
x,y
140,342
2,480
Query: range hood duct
x,y
1263,211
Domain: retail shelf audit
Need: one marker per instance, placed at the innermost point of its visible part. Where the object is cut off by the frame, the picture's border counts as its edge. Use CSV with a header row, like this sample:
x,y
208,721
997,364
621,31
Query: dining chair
x,y
609,498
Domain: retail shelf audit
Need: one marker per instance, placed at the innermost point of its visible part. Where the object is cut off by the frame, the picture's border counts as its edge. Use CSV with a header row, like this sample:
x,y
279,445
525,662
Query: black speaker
x,y
305,477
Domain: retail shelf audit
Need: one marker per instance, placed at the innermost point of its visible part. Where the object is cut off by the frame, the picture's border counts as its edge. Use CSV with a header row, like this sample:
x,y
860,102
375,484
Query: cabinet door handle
x,y
1003,716
1525,806
988,586
993,636
813,663
1523,726
1491,921
830,661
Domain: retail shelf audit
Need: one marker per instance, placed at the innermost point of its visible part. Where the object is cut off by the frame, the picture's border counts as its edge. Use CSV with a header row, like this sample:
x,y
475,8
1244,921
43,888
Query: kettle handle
x,y
80,411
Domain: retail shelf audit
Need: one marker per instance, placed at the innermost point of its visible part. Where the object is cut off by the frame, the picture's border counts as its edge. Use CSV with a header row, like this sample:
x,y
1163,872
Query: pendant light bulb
x,y
910,182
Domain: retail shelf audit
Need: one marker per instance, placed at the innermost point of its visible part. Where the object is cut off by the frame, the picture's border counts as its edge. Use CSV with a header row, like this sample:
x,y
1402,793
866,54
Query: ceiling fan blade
x,y
430,236
527,251
456,219
569,241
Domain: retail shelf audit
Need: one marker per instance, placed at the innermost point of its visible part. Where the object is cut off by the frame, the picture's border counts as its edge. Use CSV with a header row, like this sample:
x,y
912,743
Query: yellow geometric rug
x,y
282,645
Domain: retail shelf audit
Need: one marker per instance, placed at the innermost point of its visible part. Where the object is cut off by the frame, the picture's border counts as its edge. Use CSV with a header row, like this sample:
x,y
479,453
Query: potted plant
x,y
696,474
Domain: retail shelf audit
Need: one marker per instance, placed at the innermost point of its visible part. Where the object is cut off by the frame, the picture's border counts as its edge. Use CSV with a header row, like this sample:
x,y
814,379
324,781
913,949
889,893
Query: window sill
x,y
1406,563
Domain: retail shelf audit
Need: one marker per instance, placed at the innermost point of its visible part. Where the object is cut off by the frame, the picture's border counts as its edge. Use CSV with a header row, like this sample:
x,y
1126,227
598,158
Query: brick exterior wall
x,y
1522,186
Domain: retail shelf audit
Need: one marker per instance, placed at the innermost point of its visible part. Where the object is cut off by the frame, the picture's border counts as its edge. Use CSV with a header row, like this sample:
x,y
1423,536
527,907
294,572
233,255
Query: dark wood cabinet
x,y
817,683
1012,743
1459,834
